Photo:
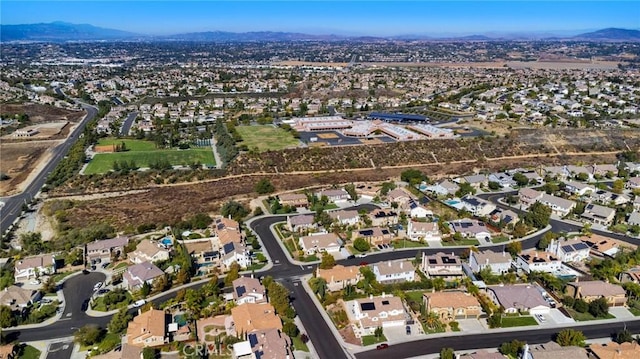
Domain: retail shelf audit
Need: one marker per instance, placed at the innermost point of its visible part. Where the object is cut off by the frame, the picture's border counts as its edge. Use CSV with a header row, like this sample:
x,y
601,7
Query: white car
x,y
361,255
139,303
35,282
97,286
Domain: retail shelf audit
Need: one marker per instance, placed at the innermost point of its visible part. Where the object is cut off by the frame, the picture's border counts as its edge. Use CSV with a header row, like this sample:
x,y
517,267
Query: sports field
x,y
143,153
266,137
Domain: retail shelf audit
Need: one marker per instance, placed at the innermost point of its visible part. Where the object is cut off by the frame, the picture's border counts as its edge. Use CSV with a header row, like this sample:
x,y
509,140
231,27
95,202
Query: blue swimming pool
x,y
167,241
452,202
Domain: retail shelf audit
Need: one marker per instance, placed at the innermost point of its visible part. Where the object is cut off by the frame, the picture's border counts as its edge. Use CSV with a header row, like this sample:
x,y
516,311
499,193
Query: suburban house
x,y
250,317
248,290
633,183
515,298
223,223
450,306
428,231
323,242
559,206
345,217
374,235
103,251
443,188
138,274
634,218
18,298
598,214
499,263
296,200
34,267
148,251
476,181
600,245
554,350
533,260
503,179
383,217
476,206
631,275
394,271
334,195
578,188
470,228
339,276
528,196
398,196
416,210
636,203
234,252
595,289
367,314
268,344
569,250
447,266
503,217
607,197
613,350
148,329
202,251
481,354
300,222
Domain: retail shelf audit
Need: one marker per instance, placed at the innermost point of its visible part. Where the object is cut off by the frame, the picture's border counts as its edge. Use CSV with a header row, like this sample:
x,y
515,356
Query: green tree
x,y
145,289
361,244
618,186
149,353
538,215
290,329
88,335
546,239
319,286
279,298
514,248
119,321
7,319
264,186
580,306
494,186
378,332
328,261
570,337
520,179
351,190
511,348
465,189
235,210
412,176
599,308
232,274
624,336
386,187
447,353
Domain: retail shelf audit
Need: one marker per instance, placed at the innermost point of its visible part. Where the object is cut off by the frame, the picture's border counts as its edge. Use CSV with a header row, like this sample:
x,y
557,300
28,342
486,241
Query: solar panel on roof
x,y
368,306
580,245
228,247
241,290
567,248
385,302
366,232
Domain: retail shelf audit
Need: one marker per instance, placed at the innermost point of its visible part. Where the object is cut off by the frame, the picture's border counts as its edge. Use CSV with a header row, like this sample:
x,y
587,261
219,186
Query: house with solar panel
x,y
598,214
248,290
367,314
470,228
235,252
569,250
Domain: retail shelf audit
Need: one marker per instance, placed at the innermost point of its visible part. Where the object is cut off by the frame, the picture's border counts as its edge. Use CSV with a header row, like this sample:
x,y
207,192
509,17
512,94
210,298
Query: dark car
x,y
351,257
408,330
85,305
84,271
364,263
382,346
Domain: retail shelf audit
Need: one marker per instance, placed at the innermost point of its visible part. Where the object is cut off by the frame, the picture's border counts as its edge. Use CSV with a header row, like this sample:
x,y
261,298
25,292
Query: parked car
x,y
361,255
97,286
408,328
139,303
85,305
351,257
35,282
364,263
382,346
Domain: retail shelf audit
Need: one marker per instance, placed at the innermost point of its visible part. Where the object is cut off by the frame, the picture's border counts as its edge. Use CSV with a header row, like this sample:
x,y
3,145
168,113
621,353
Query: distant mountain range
x,y
62,32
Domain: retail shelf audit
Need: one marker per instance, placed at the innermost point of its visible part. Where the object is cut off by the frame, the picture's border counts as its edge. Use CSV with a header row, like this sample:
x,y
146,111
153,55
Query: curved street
x,y
80,287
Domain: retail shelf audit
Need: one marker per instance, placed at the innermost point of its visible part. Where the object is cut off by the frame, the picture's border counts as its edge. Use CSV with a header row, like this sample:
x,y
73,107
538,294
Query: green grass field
x,y
508,322
29,352
143,153
266,137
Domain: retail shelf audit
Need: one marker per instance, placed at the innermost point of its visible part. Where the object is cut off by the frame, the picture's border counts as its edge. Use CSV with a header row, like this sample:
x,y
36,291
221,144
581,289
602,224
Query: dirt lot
x,y
44,131
18,161
20,156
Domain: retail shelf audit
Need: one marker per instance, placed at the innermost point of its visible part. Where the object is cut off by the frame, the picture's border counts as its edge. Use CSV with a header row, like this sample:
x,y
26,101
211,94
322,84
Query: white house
x,y
471,228
235,252
323,242
428,231
477,206
578,188
417,211
559,206
148,251
367,314
538,261
394,271
248,290
499,263
345,217
443,188
569,250
33,267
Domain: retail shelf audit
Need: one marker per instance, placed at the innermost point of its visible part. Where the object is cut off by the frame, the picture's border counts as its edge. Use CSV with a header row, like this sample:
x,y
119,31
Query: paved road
x,y
126,125
76,290
13,205
490,340
60,350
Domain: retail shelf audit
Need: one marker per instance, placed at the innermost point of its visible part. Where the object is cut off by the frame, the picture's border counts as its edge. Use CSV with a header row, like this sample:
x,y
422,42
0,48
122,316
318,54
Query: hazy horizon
x,y
352,18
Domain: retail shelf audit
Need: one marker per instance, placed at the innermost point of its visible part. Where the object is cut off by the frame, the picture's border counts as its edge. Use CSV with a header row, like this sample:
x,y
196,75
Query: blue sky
x,y
324,17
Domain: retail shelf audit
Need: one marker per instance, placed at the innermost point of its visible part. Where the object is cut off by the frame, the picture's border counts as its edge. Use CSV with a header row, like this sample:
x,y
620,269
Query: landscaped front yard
x,y
372,339
508,322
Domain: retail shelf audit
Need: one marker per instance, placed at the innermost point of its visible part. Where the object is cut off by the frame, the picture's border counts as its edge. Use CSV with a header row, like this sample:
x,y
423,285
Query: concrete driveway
x,y
621,313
